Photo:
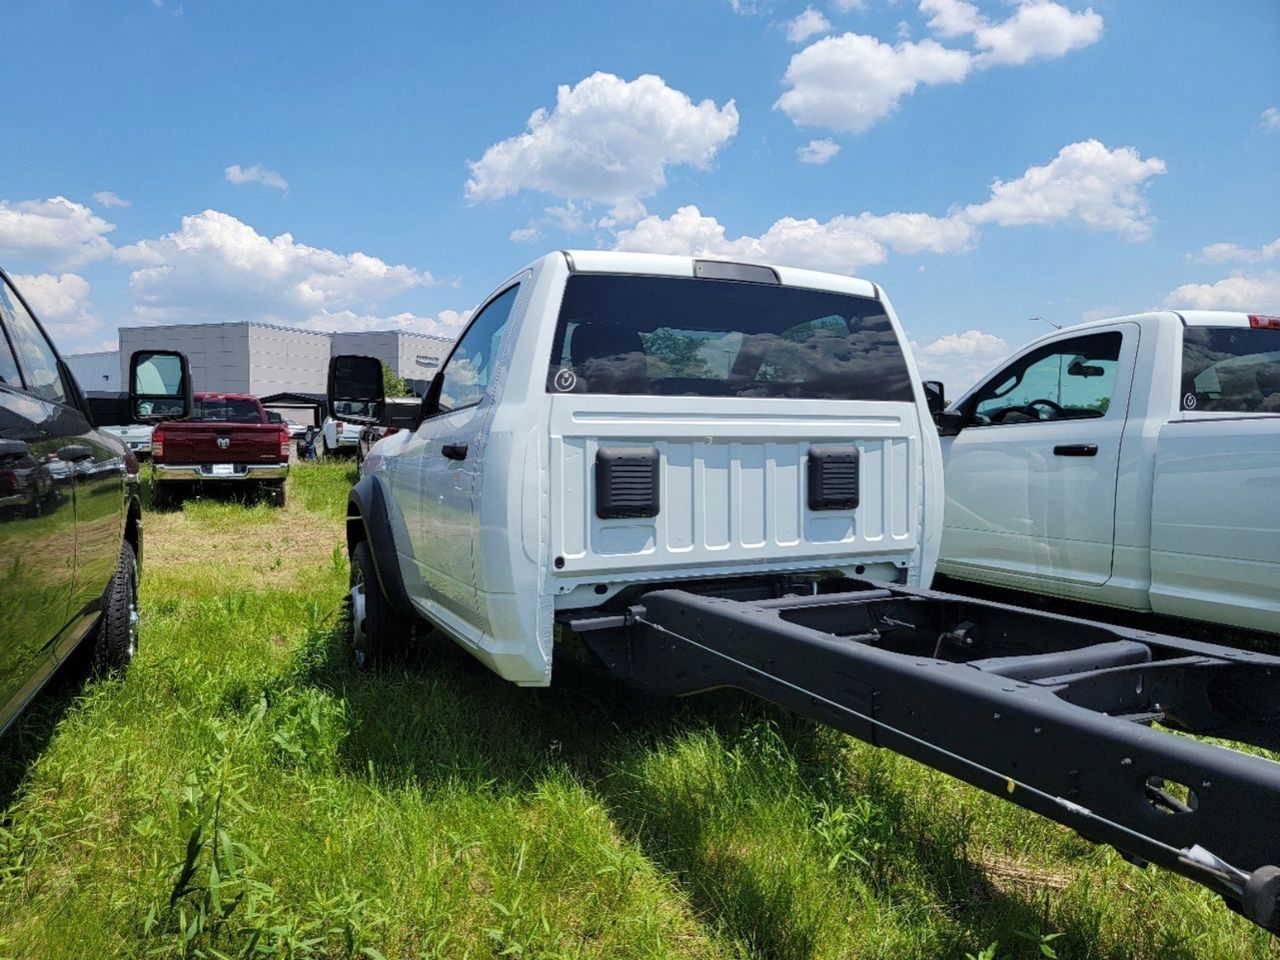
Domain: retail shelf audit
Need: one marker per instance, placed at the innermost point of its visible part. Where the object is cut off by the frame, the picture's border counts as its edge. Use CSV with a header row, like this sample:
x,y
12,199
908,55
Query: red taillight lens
x,y
157,443
1264,323
391,430
285,443
337,426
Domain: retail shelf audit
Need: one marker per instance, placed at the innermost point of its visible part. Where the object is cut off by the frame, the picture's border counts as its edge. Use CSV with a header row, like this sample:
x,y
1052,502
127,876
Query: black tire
x,y
116,638
160,498
387,630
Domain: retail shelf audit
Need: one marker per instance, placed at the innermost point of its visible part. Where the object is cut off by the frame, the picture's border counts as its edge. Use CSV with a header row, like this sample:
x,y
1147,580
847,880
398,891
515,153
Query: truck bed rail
x,y
1078,721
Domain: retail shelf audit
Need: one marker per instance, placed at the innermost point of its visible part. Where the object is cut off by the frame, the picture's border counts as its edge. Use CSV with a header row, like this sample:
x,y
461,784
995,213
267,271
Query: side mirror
x,y
159,386
355,393
935,397
949,422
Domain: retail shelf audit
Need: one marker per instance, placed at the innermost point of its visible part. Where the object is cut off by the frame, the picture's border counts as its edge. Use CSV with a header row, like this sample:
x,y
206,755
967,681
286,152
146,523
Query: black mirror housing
x,y
949,422
355,392
935,396
159,386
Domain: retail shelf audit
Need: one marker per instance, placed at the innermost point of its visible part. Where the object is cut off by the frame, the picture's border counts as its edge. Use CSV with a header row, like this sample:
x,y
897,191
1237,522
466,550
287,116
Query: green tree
x,y
677,354
393,386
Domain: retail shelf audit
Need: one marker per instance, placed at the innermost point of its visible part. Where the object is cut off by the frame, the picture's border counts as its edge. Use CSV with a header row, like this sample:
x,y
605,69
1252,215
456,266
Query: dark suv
x,y
70,518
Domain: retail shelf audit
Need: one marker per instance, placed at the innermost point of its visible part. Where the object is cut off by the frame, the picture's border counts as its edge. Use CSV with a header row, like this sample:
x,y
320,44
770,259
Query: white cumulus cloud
x,y
61,301
951,18
1270,119
818,152
56,231
215,268
607,140
959,359
256,174
1085,183
850,82
106,198
1038,29
807,24
1255,293
1234,253
842,244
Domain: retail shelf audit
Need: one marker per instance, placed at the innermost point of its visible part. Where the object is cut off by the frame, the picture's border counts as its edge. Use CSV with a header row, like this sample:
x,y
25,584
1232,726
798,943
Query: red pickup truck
x,y
227,440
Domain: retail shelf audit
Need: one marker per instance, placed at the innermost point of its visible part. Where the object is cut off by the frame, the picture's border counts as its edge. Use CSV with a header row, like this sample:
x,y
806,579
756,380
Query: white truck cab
x,y
1132,462
612,421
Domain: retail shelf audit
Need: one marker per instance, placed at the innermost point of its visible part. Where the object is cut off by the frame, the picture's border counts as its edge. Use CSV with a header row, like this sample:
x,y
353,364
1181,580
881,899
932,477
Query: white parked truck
x,y
611,422
713,474
1132,462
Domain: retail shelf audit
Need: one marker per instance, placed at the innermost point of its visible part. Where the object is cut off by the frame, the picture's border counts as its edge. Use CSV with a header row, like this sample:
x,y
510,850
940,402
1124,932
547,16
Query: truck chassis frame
x,y
1081,722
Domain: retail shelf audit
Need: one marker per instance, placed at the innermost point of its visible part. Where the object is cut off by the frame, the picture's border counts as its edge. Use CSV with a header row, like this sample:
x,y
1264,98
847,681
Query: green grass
x,y
244,791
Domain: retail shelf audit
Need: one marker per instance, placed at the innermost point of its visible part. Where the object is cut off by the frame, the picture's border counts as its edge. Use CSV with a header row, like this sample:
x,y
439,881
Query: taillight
x,y
285,443
1264,323
157,444
391,430
337,426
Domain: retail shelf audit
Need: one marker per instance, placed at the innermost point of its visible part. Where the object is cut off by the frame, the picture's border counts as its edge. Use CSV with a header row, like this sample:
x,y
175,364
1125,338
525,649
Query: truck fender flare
x,y
370,520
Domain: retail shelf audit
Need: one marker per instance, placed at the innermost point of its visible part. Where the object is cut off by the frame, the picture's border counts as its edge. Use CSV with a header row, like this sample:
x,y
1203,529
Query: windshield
x,y
723,338
1235,369
228,409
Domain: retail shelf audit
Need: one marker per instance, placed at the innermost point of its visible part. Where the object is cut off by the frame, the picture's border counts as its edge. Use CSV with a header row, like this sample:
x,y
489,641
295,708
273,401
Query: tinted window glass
x,y
1070,380
467,374
8,365
35,351
723,338
1231,368
226,409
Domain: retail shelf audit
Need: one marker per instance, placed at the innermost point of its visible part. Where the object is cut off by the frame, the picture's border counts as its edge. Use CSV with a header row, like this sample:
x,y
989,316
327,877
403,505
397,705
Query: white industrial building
x,y
261,358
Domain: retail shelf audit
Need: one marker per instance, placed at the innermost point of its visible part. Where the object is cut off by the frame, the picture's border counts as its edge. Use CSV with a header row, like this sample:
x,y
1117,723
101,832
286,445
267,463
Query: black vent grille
x,y
626,482
833,478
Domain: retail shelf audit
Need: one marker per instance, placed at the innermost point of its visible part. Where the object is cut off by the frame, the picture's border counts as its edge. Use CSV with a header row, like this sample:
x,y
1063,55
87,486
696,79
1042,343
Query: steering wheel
x,y
1058,412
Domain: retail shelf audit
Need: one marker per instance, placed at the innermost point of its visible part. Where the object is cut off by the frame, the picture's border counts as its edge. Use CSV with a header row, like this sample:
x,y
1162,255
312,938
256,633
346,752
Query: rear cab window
x,y
1230,370
226,410
683,336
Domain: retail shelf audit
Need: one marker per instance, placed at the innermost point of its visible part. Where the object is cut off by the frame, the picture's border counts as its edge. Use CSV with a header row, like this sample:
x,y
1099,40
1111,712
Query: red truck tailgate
x,y
221,443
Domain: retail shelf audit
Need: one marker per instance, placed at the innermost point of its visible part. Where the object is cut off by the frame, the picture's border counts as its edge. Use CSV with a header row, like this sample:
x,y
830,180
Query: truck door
x,y
451,453
37,511
1031,477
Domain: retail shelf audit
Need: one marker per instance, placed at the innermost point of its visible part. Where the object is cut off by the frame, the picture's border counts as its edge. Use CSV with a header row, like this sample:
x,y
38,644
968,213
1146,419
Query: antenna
x,y
1056,326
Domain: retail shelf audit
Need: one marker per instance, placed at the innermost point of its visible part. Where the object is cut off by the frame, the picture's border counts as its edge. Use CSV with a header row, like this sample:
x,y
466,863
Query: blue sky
x,y
387,164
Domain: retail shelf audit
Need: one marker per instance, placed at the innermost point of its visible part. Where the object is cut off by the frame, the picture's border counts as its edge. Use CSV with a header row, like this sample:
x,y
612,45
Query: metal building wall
x,y
219,352
287,360
96,371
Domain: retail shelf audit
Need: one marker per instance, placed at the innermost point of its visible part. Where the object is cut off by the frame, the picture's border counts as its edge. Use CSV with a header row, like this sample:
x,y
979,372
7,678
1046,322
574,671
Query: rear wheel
x,y
275,493
379,632
160,497
116,639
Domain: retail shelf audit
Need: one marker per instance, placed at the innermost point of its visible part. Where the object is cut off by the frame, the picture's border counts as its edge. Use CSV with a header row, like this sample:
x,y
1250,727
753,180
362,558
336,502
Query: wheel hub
x,y
356,603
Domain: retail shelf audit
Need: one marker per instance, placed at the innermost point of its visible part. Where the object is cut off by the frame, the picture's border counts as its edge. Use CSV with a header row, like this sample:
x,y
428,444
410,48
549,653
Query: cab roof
x,y
667,265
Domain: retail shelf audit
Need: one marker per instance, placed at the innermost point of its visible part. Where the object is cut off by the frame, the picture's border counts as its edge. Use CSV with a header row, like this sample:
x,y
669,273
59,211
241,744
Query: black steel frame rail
x,y
1051,713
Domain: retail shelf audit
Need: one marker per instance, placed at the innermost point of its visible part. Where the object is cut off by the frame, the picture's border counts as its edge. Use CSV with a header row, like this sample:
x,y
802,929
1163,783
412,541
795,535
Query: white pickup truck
x,y
1132,462
609,421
